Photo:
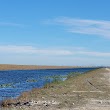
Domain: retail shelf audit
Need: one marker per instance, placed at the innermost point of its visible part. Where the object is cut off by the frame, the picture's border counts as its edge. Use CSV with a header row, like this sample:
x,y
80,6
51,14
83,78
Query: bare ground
x,y
90,91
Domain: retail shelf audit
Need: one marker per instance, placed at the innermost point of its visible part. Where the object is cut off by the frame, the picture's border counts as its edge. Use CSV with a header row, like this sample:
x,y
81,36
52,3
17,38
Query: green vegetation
x,y
6,85
58,79
72,74
31,80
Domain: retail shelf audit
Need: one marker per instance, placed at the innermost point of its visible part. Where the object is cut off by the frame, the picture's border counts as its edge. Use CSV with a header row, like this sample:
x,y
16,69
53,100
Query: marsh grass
x,y
31,80
72,74
58,79
6,85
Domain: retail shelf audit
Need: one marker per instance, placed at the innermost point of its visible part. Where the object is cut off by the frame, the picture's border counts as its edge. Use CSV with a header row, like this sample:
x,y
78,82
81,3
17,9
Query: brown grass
x,y
30,67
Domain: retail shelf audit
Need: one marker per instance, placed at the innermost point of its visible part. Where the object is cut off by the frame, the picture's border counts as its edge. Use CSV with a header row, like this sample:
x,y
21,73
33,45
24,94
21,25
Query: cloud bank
x,y
14,49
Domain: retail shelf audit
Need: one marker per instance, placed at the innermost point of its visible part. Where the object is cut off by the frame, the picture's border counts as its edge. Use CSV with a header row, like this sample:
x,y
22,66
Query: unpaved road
x,y
89,91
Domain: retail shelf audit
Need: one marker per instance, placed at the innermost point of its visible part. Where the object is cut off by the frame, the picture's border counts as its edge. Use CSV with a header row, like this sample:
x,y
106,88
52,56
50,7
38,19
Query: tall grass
x,y
72,74
56,79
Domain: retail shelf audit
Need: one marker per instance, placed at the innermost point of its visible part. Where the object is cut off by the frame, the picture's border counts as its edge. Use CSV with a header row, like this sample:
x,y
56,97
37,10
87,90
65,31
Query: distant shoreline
x,y
31,67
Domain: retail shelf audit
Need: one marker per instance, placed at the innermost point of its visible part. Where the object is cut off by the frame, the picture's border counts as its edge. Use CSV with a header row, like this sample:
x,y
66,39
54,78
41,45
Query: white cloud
x,y
84,26
32,50
97,54
14,49
11,24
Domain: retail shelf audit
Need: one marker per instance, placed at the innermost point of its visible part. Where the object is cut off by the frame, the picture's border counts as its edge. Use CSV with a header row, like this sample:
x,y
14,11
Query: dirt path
x,y
102,83
89,91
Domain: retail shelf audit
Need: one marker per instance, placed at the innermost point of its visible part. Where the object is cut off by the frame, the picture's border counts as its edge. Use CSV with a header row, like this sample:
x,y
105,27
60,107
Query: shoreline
x,y
82,91
31,67
44,84
34,67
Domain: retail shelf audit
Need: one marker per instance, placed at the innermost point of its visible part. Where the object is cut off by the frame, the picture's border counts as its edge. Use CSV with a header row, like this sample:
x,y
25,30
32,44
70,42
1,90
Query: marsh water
x,y
14,82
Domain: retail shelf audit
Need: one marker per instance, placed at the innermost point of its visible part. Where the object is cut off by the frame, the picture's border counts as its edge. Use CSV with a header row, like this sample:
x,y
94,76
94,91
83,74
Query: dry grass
x,y
30,67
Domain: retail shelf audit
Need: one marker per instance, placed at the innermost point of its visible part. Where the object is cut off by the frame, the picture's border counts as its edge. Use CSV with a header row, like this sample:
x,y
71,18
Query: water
x,y
14,82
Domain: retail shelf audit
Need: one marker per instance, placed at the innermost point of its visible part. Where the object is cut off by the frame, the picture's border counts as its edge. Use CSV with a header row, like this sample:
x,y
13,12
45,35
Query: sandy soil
x,y
90,91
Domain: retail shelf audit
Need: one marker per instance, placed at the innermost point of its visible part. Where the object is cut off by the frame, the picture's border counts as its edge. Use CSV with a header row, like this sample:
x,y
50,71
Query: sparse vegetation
x,y
72,74
31,80
6,85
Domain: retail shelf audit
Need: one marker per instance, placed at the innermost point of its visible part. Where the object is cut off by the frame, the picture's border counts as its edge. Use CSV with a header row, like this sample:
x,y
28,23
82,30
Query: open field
x,y
89,91
30,67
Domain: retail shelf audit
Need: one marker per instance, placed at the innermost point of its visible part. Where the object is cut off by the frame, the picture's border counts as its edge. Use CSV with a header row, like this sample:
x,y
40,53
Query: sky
x,y
55,32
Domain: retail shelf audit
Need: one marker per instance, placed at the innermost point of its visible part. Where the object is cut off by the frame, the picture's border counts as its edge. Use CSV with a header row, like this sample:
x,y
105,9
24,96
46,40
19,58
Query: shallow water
x,y
14,82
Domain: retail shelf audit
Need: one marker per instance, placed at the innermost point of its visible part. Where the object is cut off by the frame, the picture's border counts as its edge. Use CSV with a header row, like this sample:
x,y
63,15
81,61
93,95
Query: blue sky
x,y
55,32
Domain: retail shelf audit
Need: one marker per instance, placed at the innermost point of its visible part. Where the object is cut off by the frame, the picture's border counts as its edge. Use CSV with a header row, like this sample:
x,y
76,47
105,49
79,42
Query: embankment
x,y
89,91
